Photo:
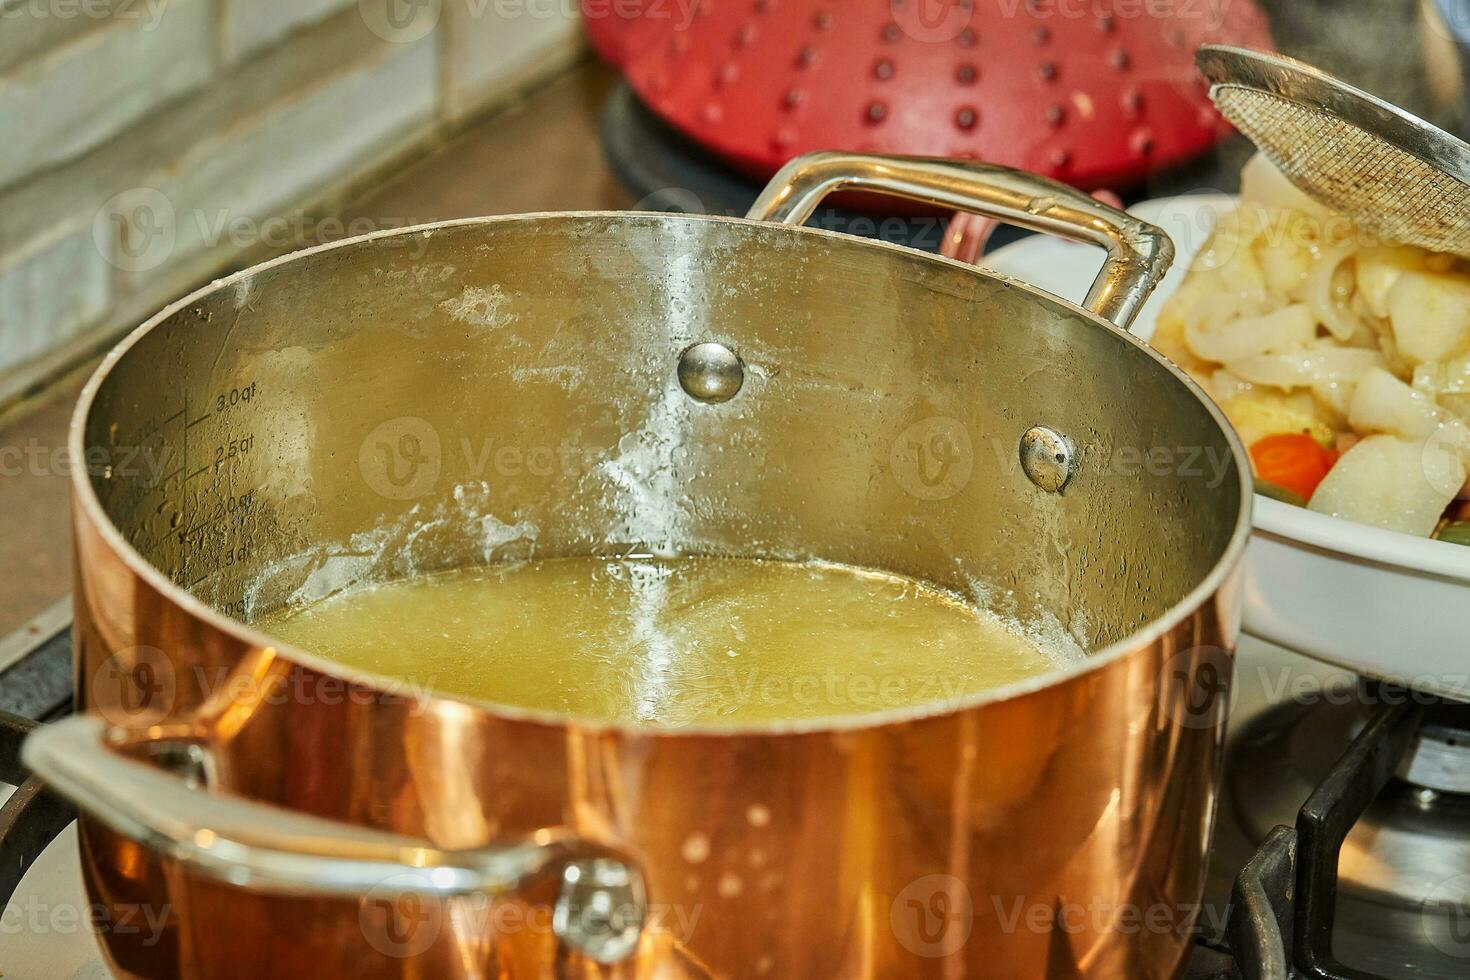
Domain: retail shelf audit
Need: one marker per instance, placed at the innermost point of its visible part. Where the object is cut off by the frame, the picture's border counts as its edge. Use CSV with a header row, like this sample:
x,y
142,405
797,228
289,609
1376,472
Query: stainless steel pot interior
x,y
499,388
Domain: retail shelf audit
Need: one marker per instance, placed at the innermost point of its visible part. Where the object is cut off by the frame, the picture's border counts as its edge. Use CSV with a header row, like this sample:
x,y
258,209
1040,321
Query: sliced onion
x,y
1305,368
1383,403
1321,294
1287,328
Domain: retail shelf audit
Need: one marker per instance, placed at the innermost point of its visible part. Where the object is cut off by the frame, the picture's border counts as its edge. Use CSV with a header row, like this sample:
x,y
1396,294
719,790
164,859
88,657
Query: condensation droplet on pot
x,y
730,885
696,848
758,815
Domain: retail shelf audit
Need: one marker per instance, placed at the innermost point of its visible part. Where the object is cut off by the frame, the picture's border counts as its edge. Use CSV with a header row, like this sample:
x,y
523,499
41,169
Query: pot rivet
x,y
1047,457
711,372
601,909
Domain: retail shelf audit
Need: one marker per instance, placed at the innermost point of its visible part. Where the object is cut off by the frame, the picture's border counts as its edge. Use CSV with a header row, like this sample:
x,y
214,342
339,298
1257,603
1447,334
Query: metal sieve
x,y
1399,177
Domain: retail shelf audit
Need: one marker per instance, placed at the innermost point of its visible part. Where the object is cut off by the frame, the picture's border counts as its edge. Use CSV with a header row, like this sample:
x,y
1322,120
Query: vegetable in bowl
x,y
1343,362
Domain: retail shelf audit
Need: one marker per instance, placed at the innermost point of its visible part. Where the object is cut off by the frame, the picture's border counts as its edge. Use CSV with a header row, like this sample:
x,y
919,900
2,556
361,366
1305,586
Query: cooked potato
x,y
1392,483
1430,313
1378,269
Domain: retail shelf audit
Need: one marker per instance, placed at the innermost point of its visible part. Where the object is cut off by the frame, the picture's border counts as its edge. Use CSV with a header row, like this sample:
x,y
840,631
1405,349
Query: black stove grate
x,y
1283,907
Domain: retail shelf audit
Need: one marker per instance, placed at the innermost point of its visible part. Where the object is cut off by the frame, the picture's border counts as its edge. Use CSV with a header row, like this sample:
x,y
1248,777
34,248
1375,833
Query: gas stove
x,y
1342,842
1344,823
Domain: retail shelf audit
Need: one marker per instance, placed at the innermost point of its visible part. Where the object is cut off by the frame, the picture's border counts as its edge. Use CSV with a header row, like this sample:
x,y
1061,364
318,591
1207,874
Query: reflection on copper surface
x,y
928,846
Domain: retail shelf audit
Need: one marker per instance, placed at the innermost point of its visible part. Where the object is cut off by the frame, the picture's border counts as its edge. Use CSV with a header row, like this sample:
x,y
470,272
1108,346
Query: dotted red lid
x,y
1095,92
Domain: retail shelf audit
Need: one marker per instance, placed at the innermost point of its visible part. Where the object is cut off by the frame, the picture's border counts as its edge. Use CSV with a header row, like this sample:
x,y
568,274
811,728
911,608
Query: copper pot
x,y
478,390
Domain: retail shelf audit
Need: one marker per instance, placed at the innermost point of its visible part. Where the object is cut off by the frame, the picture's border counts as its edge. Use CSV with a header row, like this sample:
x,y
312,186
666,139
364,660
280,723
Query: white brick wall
x,y
50,295
26,30
494,44
80,93
247,26
219,192
202,118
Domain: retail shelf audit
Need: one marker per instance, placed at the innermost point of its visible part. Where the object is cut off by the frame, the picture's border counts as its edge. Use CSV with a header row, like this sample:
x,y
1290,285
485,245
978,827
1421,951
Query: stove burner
x,y
1439,759
1376,874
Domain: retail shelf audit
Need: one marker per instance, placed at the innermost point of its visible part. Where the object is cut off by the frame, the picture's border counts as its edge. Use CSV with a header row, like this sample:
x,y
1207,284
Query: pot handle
x,y
1139,253
601,904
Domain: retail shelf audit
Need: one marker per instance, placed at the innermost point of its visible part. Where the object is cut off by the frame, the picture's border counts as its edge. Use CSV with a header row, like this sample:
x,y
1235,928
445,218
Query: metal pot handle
x,y
601,904
1139,254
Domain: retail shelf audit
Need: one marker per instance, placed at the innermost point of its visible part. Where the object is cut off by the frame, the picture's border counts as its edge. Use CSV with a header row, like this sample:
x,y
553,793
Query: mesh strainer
x,y
1399,177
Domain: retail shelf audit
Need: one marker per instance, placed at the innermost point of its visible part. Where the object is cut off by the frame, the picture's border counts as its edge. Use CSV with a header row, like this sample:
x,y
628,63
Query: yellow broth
x,y
670,642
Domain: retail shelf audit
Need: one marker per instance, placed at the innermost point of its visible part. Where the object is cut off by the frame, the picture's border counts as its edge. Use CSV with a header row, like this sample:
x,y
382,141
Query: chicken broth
x,y
670,642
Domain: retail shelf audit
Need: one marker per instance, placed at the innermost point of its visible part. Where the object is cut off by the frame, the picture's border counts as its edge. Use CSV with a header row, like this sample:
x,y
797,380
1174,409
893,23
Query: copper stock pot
x,y
613,383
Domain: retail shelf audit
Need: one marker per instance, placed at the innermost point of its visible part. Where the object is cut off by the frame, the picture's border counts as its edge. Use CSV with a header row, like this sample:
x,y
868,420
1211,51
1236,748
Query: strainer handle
x,y
1139,253
165,804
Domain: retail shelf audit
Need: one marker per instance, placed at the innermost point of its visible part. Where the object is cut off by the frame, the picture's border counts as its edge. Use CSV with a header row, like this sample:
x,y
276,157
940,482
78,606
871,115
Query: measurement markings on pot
x,y
200,443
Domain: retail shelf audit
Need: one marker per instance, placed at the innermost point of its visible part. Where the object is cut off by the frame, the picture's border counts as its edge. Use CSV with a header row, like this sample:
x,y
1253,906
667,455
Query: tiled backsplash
x,y
146,145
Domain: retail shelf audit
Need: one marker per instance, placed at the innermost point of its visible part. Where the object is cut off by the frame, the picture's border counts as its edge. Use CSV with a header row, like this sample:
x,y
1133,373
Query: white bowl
x,y
1380,603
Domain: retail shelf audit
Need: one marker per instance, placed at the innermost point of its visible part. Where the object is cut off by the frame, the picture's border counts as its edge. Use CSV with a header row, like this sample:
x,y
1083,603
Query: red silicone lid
x,y
1096,92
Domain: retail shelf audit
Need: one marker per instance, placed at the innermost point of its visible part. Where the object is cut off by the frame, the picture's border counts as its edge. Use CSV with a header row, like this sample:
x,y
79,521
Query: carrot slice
x,y
1292,460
